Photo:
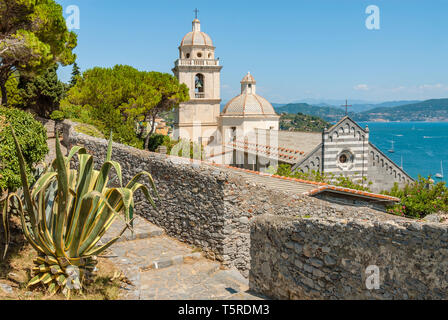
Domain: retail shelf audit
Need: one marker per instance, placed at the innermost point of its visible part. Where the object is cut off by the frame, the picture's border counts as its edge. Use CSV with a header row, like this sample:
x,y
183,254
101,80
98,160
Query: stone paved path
x,y
161,268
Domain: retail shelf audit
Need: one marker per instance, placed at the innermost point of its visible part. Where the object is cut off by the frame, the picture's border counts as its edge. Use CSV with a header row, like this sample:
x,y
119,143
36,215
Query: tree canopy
x,y
13,92
43,93
33,36
124,95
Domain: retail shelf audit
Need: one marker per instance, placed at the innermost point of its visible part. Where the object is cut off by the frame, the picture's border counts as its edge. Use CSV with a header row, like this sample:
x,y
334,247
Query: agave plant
x,y
66,213
9,205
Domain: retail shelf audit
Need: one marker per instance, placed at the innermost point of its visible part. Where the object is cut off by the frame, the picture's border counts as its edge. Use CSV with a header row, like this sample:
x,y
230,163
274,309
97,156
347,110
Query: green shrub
x,y
57,115
420,198
346,182
317,176
32,137
157,140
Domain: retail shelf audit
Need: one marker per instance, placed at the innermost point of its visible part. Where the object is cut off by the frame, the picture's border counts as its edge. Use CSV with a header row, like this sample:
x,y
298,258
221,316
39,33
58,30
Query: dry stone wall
x,y
328,258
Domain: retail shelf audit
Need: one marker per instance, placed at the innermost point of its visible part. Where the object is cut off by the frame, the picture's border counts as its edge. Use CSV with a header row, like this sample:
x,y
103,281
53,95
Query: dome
x,y
196,37
248,103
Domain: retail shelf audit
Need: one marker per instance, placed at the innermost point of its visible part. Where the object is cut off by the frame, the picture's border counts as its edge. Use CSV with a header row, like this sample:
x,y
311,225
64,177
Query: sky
x,y
296,50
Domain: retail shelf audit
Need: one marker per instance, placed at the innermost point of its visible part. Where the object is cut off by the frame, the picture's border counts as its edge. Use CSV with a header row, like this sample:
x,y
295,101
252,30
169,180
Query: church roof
x,y
196,37
292,146
305,187
248,104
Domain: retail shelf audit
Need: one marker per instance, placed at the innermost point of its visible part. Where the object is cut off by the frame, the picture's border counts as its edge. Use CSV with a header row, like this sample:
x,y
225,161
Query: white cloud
x,y
433,86
361,87
398,89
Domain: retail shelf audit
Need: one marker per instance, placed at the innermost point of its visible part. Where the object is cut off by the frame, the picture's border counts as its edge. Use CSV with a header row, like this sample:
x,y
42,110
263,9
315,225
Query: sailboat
x,y
440,175
392,150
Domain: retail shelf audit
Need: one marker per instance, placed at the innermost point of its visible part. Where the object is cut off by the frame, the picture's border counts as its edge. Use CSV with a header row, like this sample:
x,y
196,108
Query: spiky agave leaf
x,y
70,211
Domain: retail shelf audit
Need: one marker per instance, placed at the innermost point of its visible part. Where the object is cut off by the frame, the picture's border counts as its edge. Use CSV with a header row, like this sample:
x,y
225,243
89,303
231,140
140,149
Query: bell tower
x,y
197,119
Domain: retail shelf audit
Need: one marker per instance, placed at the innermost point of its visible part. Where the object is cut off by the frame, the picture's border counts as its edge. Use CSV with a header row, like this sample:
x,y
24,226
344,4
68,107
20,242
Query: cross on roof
x,y
196,11
346,107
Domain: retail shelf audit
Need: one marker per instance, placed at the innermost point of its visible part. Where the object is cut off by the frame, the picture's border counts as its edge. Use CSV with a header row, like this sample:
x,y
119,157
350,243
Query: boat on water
x,y
392,149
440,175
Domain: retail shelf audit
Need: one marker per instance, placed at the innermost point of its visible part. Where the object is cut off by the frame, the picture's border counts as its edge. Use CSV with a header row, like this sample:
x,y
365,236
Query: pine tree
x,y
44,93
33,36
76,73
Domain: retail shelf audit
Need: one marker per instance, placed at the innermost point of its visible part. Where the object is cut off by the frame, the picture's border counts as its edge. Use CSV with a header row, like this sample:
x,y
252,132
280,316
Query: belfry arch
x,y
199,84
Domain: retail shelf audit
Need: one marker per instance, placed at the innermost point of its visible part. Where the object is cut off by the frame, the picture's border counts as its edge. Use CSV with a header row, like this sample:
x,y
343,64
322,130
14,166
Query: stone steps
x,y
159,267
200,280
152,253
142,230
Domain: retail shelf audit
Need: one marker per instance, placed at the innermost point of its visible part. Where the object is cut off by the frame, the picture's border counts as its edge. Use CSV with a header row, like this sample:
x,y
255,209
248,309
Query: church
x,y
246,132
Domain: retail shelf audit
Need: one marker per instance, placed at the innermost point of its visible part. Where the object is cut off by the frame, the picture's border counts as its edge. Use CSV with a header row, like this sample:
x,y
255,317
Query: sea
x,y
420,146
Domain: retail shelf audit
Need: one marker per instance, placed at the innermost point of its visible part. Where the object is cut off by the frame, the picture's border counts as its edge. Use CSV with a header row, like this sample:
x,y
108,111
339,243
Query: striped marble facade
x,y
363,161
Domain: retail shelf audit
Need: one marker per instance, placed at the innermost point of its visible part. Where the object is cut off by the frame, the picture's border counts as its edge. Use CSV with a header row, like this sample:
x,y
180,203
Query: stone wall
x,y
326,258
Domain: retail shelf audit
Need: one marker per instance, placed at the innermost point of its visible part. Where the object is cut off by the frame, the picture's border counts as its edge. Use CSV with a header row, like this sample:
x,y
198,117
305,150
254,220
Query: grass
x,y
196,249
89,130
15,271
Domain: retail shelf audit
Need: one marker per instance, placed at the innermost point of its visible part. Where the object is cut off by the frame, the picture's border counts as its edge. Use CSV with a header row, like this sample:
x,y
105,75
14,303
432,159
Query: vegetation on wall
x,y
180,148
32,137
317,176
33,36
420,198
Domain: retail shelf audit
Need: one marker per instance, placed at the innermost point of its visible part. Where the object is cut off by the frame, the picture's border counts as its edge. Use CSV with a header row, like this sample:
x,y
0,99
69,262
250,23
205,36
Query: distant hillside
x,y
361,107
302,122
330,114
429,110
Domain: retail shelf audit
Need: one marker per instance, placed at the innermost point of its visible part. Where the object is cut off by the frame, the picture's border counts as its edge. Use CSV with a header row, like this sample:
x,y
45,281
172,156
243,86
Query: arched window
x,y
199,83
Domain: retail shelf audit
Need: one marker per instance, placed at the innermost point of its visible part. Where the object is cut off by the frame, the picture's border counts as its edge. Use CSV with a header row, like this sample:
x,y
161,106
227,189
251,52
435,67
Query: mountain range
x,y
428,110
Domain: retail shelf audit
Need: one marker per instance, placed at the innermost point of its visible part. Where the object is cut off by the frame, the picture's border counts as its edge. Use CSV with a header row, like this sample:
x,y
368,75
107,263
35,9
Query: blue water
x,y
422,144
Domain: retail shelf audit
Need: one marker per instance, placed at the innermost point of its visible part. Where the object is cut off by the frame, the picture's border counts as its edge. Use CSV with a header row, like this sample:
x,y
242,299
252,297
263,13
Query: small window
x,y
199,54
209,55
343,158
188,56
